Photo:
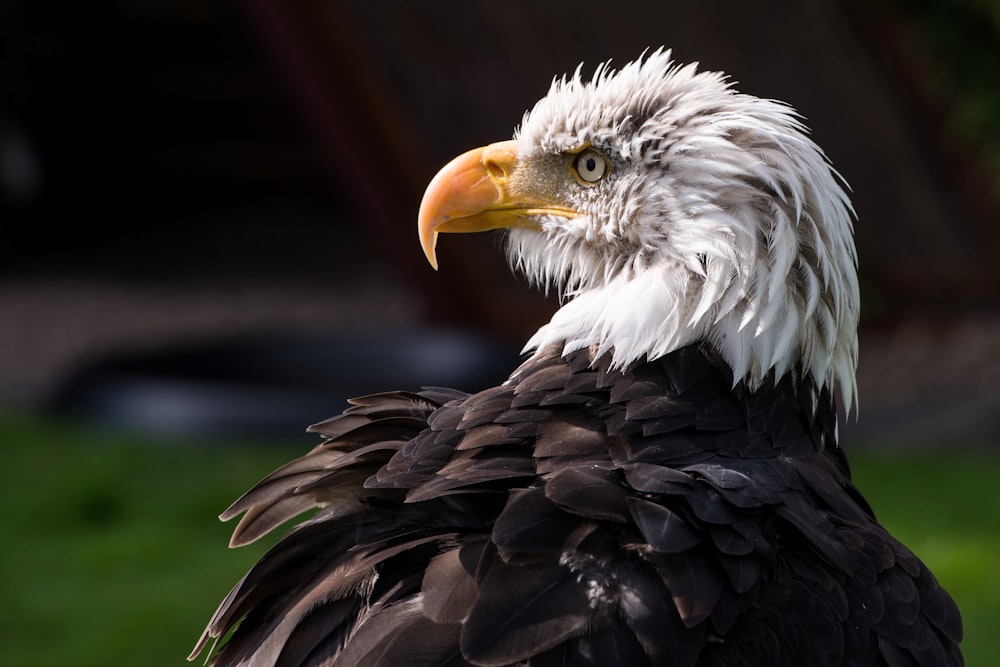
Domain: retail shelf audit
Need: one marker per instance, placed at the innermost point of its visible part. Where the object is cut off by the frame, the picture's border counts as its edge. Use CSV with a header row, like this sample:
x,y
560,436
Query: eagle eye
x,y
590,166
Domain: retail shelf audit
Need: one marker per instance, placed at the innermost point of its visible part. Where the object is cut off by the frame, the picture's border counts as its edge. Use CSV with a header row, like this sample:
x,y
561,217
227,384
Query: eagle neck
x,y
691,390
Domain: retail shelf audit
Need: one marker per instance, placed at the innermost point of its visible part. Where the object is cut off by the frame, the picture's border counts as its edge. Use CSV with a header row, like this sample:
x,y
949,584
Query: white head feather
x,y
719,221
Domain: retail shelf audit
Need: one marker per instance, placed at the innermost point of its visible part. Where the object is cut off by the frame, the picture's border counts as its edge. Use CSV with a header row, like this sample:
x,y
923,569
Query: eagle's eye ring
x,y
590,166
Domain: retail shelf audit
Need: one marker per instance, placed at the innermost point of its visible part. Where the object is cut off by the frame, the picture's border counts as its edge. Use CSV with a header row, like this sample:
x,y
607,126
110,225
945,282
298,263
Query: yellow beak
x,y
477,192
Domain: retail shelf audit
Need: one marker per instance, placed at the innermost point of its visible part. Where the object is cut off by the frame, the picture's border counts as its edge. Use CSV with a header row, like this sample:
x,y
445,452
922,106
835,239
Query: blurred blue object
x,y
271,386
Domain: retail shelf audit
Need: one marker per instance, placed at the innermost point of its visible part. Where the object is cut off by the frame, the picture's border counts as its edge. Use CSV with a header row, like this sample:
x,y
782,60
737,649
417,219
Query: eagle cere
x,y
659,483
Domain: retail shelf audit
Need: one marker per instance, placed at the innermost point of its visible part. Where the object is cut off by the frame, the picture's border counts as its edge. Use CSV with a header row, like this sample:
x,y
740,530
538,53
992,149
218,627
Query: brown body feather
x,y
578,515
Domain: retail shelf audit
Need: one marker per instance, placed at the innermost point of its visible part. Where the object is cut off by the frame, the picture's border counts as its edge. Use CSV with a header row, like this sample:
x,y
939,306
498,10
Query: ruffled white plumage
x,y
723,223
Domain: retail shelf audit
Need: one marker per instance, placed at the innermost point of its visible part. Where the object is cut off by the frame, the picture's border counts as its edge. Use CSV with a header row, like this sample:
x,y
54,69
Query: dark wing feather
x,y
661,528
532,527
449,583
649,609
400,634
613,644
593,492
581,515
521,612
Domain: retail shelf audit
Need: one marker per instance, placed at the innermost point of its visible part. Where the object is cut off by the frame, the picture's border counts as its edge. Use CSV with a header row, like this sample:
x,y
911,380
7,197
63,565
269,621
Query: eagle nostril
x,y
495,170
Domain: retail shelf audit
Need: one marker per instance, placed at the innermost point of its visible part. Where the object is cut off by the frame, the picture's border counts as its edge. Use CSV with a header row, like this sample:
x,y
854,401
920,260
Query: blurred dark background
x,y
207,208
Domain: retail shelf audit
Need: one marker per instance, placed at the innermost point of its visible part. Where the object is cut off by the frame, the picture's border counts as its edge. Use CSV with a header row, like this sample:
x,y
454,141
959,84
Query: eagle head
x,y
668,209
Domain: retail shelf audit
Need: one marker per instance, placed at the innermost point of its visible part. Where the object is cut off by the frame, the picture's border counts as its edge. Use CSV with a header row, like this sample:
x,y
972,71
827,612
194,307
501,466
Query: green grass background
x,y
113,555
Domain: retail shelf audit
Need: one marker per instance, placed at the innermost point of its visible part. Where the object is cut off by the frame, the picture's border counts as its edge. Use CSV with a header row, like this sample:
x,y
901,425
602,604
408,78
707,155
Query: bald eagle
x,y
659,483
